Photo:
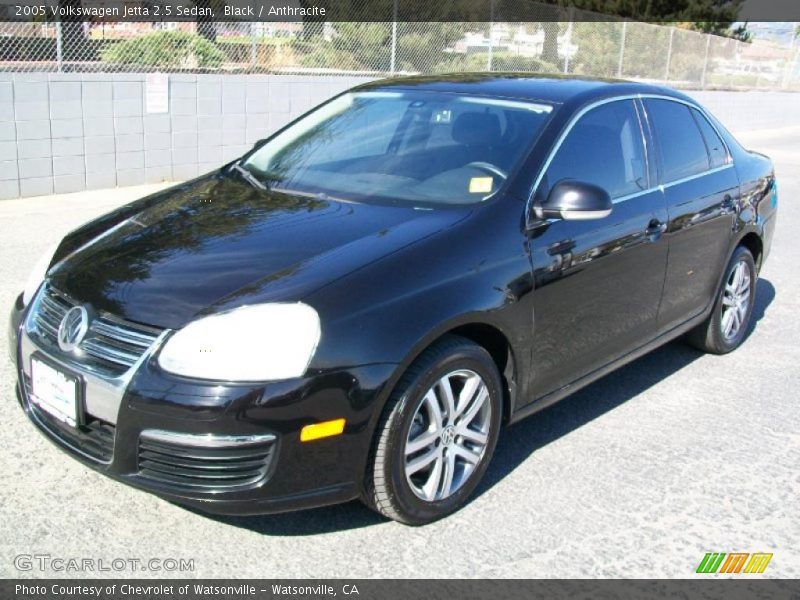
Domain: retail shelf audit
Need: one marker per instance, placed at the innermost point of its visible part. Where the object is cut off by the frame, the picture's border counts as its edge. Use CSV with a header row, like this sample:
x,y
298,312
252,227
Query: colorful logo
x,y
734,562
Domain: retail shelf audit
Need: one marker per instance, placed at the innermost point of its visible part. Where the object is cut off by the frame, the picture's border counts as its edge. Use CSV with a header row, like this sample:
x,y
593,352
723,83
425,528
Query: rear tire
x,y
436,434
727,326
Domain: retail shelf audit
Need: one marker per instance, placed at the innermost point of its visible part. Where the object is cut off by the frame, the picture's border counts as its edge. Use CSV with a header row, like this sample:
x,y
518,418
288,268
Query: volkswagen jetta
x,y
357,306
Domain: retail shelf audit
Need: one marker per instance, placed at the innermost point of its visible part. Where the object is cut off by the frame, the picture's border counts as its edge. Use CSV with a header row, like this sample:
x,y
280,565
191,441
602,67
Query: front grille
x,y
94,439
207,468
111,346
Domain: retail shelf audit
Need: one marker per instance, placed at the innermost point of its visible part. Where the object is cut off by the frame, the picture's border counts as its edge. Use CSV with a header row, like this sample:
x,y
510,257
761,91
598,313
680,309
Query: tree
x,y
312,24
165,50
420,46
709,16
722,28
206,27
663,10
550,48
73,33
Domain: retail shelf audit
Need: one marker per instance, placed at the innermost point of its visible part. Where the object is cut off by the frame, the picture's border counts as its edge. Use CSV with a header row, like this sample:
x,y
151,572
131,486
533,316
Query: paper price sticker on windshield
x,y
480,185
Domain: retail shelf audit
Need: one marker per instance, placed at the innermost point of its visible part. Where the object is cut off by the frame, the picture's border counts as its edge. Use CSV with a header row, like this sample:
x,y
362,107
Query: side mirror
x,y
574,200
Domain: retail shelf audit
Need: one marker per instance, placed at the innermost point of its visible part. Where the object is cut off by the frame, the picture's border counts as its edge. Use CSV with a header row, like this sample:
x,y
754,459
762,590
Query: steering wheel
x,y
488,168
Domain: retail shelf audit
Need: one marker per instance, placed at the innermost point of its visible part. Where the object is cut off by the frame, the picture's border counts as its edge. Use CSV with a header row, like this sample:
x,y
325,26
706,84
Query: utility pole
x,y
253,49
392,63
791,62
705,62
669,52
491,24
59,46
568,39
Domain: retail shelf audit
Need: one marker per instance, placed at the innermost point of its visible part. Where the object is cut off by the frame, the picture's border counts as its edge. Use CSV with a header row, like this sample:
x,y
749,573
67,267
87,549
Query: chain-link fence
x,y
578,44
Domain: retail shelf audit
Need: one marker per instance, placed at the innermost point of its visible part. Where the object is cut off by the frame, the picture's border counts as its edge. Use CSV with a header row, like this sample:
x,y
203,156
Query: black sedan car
x,y
356,307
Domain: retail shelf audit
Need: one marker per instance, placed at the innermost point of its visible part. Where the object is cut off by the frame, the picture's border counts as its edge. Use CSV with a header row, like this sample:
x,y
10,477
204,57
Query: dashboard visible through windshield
x,y
414,146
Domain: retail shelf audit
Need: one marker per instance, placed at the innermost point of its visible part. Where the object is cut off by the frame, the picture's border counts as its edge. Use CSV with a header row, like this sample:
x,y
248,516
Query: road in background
x,y
638,475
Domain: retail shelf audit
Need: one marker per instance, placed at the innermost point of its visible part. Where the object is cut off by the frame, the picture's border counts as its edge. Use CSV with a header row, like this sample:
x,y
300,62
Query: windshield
x,y
401,145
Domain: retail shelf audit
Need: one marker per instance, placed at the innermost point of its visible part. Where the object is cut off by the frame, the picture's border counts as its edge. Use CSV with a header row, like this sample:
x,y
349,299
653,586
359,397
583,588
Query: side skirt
x,y
582,382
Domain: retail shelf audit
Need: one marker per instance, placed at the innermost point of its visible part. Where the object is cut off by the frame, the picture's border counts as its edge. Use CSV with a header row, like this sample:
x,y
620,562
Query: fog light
x,y
321,430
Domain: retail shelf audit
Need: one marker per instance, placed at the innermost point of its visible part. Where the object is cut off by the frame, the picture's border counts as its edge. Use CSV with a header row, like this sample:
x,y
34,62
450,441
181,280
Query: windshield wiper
x,y
249,177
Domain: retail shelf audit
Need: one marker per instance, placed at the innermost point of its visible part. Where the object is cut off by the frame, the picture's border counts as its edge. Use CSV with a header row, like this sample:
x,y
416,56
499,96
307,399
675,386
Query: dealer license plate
x,y
54,391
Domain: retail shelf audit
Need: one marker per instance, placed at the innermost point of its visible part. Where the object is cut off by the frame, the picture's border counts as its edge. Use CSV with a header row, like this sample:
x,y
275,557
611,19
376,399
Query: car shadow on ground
x,y
520,440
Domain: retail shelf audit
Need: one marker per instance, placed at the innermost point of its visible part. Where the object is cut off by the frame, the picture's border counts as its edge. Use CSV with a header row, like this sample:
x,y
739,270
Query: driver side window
x,y
604,148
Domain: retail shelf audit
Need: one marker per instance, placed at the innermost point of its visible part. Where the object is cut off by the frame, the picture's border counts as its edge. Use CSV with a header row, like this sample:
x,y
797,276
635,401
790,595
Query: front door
x,y
598,283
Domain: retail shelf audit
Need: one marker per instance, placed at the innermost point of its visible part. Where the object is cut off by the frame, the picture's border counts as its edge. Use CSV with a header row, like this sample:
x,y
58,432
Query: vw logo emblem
x,y
448,435
73,328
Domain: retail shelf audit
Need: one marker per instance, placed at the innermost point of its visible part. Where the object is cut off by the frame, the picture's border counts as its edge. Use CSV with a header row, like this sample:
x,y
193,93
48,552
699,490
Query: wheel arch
x,y
495,342
486,335
753,242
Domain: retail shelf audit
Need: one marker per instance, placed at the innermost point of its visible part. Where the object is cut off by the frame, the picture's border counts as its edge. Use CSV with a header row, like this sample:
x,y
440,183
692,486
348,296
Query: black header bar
x,y
706,587
725,11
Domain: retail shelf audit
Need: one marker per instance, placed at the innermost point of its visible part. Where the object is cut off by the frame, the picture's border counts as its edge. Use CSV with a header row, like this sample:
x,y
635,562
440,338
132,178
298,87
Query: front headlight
x,y
37,274
265,342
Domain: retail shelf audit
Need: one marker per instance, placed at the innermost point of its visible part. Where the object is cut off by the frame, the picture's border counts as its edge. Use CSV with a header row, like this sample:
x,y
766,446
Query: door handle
x,y
561,247
727,204
654,229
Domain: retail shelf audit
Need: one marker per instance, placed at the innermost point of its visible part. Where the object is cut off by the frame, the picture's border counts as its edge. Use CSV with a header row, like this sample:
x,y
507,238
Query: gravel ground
x,y
637,475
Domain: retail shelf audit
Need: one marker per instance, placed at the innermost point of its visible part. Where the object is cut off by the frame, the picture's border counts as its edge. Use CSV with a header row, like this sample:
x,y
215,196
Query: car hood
x,y
217,243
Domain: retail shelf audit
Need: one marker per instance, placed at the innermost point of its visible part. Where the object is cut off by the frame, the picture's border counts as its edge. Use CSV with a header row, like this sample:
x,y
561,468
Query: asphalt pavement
x,y
638,475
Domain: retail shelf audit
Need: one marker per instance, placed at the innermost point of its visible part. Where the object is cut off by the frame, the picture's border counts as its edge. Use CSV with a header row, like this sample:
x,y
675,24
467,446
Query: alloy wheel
x,y
448,435
735,301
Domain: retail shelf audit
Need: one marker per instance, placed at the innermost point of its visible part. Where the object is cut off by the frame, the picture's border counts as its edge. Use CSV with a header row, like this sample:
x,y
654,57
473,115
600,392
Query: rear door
x,y
598,282
701,190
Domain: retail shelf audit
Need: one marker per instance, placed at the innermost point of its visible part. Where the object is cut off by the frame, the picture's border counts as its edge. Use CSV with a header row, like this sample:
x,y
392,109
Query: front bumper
x,y
220,447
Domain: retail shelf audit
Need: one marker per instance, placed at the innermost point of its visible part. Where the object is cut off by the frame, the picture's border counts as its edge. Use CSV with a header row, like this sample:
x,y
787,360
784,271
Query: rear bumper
x,y
768,236
229,449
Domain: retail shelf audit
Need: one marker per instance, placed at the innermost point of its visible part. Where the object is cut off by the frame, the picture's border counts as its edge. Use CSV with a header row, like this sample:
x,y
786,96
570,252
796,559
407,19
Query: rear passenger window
x,y
717,151
683,151
603,148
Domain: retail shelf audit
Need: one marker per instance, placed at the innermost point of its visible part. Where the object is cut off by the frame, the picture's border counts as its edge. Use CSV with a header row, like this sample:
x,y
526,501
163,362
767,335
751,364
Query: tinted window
x,y
401,145
442,123
683,151
716,149
604,148
376,122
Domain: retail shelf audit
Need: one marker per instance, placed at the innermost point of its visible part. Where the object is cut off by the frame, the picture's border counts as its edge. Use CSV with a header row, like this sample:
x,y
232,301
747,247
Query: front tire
x,y
726,327
436,434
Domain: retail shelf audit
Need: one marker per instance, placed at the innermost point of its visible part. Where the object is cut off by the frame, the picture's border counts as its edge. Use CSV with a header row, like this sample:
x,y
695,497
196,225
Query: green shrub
x,y
501,61
355,46
325,56
166,50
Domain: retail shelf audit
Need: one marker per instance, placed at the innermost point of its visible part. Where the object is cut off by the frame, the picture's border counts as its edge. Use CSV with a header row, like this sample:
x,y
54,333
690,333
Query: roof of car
x,y
546,88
